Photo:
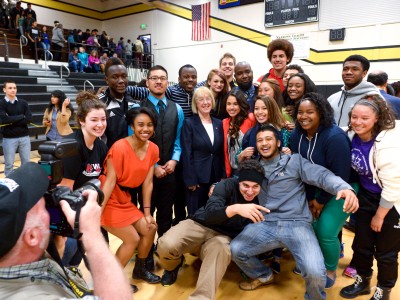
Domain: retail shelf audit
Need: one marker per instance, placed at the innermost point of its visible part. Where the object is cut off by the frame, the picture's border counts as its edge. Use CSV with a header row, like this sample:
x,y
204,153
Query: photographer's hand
x,y
104,266
89,221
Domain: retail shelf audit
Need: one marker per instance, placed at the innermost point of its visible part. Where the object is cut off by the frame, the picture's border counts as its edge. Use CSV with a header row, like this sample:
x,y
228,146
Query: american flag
x,y
201,22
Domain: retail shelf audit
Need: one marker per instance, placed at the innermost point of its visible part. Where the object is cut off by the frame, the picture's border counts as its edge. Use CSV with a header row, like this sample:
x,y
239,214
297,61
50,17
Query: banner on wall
x,y
300,41
231,3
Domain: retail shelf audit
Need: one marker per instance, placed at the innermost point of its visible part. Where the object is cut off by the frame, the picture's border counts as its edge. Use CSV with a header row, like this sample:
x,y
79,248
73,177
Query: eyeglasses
x,y
155,78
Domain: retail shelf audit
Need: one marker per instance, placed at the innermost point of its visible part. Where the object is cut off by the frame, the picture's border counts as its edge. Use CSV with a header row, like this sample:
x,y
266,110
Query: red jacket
x,y
248,123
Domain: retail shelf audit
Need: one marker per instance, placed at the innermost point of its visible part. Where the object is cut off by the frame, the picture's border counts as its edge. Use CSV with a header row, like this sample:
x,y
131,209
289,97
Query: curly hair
x,y
323,107
238,120
385,114
221,75
87,101
275,116
274,84
281,44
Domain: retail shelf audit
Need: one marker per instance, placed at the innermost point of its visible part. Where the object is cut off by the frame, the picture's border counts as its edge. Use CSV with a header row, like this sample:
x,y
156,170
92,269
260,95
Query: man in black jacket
x,y
232,206
15,116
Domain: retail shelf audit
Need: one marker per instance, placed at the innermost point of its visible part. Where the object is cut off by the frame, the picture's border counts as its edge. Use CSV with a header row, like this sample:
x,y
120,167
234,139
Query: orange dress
x,y
131,172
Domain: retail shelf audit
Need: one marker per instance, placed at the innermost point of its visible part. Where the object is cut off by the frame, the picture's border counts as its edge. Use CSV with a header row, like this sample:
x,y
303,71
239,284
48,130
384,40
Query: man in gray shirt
x,y
289,222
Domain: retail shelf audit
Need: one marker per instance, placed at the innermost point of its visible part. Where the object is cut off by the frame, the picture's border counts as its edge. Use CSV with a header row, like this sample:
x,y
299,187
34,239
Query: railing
x,y
45,58
23,41
61,73
5,46
84,85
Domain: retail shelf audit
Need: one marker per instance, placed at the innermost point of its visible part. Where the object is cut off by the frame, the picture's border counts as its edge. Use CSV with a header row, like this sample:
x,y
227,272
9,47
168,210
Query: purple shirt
x,y
360,163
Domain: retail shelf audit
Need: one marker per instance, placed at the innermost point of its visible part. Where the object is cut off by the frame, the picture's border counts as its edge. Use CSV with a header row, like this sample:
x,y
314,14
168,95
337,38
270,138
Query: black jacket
x,y
213,214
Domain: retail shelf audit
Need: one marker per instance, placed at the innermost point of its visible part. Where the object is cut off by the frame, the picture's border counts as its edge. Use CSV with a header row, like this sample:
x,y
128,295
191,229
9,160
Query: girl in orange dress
x,y
130,163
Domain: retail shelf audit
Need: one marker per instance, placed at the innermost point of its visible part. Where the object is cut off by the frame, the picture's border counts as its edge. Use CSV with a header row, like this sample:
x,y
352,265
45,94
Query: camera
x,y
51,153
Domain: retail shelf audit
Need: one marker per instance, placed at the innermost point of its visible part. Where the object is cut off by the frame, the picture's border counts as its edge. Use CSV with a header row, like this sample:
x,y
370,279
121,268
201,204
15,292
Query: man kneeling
x,y
232,205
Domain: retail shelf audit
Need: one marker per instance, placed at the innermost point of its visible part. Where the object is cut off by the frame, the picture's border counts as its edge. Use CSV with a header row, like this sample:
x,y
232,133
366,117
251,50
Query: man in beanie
x,y
232,205
289,222
25,273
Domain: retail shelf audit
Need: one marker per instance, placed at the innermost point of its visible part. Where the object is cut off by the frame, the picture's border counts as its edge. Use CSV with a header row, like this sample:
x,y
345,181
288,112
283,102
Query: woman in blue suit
x,y
202,145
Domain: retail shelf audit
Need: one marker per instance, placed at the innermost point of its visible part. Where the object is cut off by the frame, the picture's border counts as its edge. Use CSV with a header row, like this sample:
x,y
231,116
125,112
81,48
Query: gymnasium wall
x,y
241,31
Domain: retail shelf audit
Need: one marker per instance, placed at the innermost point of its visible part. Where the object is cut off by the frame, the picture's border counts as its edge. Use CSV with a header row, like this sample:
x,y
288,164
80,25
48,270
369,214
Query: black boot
x,y
360,287
381,294
140,272
150,260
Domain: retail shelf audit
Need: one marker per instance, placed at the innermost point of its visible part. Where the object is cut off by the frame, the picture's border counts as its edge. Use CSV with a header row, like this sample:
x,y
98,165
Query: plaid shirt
x,y
37,280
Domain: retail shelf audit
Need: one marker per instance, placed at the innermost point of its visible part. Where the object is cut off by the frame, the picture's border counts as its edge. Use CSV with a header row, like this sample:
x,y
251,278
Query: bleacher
x,y
35,82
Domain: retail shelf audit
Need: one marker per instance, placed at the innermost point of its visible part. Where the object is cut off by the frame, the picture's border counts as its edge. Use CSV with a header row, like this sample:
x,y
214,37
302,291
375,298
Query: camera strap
x,y
73,275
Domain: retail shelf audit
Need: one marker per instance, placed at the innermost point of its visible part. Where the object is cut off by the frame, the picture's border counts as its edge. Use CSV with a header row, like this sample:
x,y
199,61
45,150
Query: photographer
x,y
24,233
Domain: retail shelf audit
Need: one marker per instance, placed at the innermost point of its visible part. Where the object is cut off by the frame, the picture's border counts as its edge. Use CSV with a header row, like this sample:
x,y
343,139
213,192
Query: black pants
x,y
384,245
162,200
180,199
57,52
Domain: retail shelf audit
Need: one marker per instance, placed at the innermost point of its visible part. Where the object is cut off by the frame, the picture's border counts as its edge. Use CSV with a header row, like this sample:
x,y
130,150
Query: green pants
x,y
327,228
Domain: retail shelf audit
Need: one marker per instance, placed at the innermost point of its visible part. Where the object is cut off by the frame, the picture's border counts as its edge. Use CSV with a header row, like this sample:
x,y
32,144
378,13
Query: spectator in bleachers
x,y
28,20
57,115
104,40
112,46
15,11
29,10
103,60
21,24
71,40
33,39
73,61
92,42
83,57
85,35
121,48
78,38
16,114
45,42
94,61
128,53
58,41
138,52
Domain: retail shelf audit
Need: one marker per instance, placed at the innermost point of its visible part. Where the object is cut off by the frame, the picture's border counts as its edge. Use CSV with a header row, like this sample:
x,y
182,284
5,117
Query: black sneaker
x,y
169,277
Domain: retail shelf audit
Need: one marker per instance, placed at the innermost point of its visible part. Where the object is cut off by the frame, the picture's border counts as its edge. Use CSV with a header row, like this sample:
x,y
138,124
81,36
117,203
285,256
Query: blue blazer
x,y
200,158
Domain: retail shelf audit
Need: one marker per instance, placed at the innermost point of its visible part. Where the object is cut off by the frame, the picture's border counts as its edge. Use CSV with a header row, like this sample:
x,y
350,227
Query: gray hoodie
x,y
283,192
344,100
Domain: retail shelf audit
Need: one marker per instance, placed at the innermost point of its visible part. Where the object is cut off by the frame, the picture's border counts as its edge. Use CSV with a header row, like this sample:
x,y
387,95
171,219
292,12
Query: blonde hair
x,y
198,93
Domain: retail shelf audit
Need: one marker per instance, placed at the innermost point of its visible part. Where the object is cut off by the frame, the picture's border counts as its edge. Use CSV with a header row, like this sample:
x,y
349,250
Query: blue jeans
x,y
75,66
10,147
297,236
46,47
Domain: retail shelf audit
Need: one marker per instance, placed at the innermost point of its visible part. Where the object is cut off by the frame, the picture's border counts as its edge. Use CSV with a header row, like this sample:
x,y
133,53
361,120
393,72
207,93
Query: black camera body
x,y
51,153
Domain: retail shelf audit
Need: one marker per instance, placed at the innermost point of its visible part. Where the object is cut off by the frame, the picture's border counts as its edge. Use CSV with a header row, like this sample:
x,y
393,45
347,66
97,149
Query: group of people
x,y
260,167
